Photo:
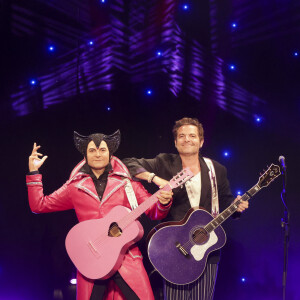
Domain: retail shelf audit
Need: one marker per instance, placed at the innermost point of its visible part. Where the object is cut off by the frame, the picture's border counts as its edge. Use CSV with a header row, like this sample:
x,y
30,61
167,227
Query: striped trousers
x,y
201,289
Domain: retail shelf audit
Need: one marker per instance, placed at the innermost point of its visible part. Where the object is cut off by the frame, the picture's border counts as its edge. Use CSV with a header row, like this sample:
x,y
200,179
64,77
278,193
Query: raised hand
x,y
36,159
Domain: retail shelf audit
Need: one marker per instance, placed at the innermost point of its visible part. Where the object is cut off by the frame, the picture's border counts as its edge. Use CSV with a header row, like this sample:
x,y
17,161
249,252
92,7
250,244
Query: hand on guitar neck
x,y
243,205
164,197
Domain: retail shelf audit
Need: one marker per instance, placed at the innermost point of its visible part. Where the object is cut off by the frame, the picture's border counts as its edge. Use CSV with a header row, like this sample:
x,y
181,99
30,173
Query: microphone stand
x,y
285,224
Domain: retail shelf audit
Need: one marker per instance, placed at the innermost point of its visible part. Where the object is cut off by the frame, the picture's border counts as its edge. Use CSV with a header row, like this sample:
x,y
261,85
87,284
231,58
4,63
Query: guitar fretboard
x,y
231,209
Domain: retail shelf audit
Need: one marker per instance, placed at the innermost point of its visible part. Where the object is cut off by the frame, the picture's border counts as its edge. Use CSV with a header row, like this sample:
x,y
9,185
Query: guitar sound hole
x,y
114,230
200,236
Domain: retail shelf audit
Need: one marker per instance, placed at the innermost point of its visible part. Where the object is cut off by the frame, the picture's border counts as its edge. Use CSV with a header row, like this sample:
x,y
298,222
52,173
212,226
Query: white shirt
x,y
193,188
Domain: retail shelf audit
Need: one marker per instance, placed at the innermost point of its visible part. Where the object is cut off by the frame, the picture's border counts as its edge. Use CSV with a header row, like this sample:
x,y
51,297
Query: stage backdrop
x,y
137,66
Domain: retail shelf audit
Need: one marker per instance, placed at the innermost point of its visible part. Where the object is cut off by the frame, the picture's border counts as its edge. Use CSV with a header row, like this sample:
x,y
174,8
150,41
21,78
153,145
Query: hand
x,y
243,205
160,182
165,197
35,162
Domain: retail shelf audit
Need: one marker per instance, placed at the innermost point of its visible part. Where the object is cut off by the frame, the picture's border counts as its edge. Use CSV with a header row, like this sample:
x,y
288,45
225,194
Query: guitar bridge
x,y
181,249
93,249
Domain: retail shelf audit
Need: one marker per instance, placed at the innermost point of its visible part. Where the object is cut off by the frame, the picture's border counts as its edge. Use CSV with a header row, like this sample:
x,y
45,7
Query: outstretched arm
x,y
40,203
157,180
143,168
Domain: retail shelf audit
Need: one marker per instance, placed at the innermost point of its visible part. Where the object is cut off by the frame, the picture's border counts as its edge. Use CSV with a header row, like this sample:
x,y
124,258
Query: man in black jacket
x,y
209,188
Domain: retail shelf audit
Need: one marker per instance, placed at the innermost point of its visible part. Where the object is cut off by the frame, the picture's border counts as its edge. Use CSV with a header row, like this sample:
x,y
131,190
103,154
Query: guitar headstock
x,y
266,178
181,177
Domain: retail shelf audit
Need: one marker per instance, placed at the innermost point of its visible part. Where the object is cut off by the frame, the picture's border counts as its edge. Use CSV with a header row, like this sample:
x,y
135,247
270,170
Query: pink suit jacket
x,y
79,193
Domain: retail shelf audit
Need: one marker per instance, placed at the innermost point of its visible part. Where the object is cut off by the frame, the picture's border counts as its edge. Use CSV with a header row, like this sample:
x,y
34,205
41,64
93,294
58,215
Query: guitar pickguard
x,y
198,251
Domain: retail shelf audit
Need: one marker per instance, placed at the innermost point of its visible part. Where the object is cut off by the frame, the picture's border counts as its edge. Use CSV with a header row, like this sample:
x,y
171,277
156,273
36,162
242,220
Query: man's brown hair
x,y
188,121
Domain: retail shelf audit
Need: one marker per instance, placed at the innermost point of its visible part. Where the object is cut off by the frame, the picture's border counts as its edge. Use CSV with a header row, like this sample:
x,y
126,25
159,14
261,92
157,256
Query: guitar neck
x,y
137,212
231,209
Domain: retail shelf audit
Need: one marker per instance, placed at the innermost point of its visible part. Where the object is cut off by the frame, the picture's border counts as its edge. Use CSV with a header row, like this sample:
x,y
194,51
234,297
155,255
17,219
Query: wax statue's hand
x,y
165,197
243,205
35,161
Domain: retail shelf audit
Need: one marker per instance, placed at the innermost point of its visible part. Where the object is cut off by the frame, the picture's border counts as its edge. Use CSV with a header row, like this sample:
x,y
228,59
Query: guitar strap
x,y
214,187
130,194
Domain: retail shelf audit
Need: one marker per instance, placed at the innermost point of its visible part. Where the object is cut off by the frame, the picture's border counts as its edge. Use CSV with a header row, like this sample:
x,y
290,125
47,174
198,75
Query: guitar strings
x,y
199,235
190,242
248,195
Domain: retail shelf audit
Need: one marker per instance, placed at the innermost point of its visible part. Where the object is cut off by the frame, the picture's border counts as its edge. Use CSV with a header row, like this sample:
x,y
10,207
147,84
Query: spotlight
x,y
232,67
296,53
258,119
158,53
243,279
238,192
51,48
91,43
108,108
226,154
103,1
33,82
233,25
185,7
149,92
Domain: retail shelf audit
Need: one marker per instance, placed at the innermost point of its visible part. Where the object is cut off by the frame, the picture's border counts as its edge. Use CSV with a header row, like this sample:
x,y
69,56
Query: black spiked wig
x,y
112,141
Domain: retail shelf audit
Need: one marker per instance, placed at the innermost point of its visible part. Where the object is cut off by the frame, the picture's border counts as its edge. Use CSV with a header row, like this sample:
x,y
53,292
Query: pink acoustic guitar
x,y
97,247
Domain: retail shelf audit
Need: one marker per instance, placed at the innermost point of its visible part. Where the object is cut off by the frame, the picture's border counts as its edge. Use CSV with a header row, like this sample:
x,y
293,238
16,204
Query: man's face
x,y
97,158
188,141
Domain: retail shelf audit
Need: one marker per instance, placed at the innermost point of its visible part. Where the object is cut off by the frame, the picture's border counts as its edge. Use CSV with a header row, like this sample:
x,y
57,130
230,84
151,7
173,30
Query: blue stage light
x,y
33,82
108,108
185,6
243,279
239,192
91,43
258,119
158,53
103,1
233,25
149,92
232,67
226,153
51,48
296,53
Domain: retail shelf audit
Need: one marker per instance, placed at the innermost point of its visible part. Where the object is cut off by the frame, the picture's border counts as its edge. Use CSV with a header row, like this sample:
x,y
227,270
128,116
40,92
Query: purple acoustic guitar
x,y
179,250
97,247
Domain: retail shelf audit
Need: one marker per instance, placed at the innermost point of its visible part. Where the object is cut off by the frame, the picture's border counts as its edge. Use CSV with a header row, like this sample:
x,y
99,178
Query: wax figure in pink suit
x,y
93,190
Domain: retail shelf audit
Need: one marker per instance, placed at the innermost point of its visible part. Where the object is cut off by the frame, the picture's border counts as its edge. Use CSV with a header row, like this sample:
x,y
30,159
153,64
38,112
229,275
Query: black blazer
x,y
166,165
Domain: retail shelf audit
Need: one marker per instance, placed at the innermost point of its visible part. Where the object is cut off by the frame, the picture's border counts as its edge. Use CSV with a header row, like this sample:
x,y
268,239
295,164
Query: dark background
x,y
77,83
